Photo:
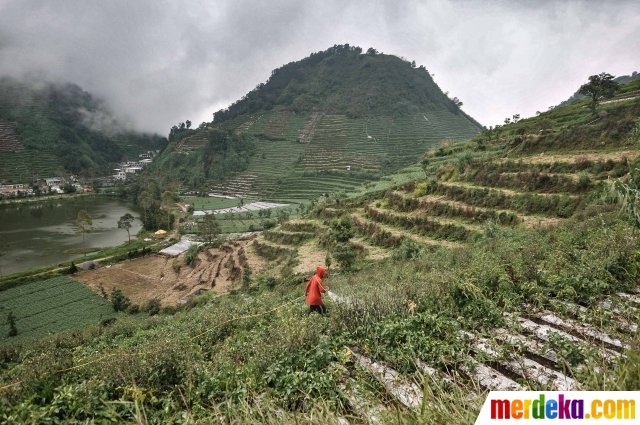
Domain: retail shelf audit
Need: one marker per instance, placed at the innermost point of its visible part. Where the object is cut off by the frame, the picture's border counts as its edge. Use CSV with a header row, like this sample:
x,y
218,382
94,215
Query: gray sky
x,y
159,62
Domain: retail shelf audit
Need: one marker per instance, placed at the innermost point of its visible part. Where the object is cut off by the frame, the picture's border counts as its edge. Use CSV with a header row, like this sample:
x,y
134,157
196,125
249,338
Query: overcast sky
x,y
160,62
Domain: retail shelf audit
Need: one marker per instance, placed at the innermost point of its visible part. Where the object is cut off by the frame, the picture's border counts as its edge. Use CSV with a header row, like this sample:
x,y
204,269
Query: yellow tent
x,y
160,233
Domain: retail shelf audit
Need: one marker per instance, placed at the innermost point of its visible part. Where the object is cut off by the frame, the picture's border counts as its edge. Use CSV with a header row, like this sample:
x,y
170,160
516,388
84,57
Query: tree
x,y
282,215
125,223
11,319
599,87
168,199
209,227
83,222
145,199
246,278
457,102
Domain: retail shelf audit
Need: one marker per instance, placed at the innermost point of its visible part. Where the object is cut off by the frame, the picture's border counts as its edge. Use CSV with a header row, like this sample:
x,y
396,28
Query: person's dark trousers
x,y
318,309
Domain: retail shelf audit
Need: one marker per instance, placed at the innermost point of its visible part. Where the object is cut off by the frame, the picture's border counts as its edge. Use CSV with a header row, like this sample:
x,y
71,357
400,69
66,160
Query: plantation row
x,y
334,145
527,203
9,139
271,251
600,168
422,225
287,238
48,306
27,165
440,207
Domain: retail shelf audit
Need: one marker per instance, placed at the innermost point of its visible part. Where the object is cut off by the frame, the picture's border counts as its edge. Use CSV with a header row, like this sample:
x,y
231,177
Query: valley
x,y
460,261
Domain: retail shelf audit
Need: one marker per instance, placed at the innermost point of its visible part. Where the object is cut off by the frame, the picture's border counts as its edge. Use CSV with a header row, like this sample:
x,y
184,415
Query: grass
x,y
49,306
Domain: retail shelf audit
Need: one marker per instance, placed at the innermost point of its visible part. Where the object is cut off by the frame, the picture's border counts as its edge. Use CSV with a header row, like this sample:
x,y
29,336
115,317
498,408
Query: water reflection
x,y
35,235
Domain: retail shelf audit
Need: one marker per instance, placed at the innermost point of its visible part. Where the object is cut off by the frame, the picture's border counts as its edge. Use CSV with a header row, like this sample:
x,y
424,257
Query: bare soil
x,y
142,279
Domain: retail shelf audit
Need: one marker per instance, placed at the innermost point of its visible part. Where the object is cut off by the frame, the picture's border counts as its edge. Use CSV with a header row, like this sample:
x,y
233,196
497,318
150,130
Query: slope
x,y
508,270
324,124
50,129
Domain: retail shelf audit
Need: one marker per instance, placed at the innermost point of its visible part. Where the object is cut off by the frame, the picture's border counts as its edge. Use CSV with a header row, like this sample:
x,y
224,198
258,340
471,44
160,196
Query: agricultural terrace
x,y
49,306
300,157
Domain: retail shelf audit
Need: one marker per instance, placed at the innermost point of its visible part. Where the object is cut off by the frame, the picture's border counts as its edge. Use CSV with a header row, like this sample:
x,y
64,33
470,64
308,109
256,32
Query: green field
x,y
48,306
212,203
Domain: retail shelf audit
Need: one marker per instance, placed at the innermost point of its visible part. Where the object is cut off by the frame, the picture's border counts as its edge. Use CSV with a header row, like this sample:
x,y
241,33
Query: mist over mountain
x,y
165,62
51,129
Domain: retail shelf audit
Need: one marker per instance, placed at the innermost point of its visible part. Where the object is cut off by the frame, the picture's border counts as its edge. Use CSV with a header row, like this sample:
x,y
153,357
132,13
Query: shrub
x,y
72,268
119,300
176,265
152,306
191,255
11,320
408,250
342,229
345,255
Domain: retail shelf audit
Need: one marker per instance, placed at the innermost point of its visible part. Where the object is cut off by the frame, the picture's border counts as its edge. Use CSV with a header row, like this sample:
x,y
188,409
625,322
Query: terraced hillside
x,y
309,141
512,263
536,322
48,130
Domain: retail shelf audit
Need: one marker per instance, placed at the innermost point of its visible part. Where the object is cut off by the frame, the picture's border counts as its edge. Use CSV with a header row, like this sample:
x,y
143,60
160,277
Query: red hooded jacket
x,y
314,287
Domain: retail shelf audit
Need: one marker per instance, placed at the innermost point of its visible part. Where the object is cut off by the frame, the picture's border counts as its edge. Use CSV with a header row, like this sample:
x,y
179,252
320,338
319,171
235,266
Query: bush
x,y
11,320
345,255
119,300
176,265
408,250
72,268
152,306
191,255
268,224
342,229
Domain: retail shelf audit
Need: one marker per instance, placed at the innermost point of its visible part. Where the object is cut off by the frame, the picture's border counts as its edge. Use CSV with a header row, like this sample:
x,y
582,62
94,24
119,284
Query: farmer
x,y
314,290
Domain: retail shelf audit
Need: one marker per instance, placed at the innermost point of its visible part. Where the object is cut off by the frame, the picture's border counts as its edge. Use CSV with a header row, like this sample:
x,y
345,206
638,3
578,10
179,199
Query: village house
x,y
18,189
55,181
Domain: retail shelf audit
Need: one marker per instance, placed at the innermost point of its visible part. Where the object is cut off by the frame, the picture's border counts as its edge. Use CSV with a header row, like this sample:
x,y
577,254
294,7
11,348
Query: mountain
x,y
50,129
326,123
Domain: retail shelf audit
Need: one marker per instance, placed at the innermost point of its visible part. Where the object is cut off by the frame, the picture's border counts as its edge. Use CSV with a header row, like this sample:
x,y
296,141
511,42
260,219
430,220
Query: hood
x,y
320,271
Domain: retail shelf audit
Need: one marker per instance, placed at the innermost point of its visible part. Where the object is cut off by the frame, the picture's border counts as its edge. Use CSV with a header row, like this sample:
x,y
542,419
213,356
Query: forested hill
x,y
49,129
344,80
326,123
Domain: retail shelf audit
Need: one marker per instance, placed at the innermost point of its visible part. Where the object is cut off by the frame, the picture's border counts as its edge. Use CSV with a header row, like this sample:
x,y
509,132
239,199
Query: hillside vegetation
x,y
49,129
512,264
323,124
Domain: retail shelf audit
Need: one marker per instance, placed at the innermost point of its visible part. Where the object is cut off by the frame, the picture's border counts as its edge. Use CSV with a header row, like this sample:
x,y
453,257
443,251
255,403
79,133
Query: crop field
x,y
302,156
48,306
212,203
